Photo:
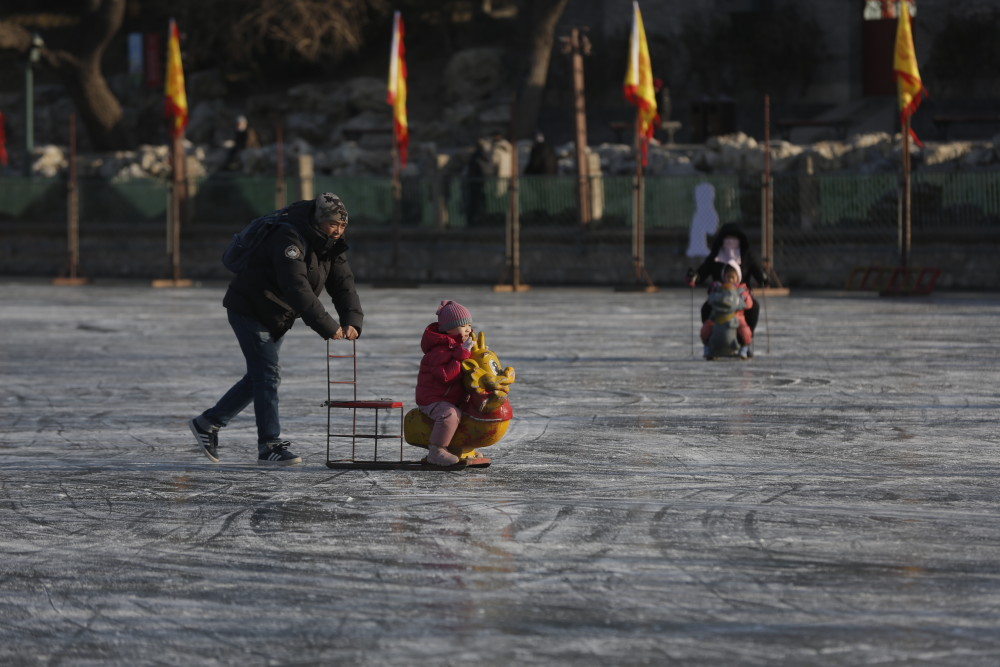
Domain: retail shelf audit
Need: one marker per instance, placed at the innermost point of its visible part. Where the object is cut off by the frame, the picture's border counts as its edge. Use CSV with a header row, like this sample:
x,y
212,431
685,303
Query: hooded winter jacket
x,y
440,376
711,268
287,273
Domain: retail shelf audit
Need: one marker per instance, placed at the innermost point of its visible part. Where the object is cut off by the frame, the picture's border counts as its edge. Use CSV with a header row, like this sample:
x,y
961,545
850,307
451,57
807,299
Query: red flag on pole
x,y
904,68
397,88
175,107
639,88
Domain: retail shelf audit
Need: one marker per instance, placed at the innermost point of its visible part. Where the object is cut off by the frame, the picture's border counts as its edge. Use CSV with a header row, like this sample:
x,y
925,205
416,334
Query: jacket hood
x,y
433,338
729,229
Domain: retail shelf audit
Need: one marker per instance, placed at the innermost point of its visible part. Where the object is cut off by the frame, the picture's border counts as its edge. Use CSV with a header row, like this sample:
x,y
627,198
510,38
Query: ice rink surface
x,y
833,501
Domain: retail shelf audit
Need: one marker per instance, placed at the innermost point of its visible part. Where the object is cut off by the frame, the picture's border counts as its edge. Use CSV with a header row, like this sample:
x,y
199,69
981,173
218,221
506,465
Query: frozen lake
x,y
832,501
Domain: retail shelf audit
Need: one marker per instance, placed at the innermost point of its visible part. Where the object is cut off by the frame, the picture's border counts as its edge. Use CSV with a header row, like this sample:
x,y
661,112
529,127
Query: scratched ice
x,y
832,501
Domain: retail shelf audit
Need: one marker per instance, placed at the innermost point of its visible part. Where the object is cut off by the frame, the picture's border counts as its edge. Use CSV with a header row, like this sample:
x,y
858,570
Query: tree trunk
x,y
80,68
98,107
546,15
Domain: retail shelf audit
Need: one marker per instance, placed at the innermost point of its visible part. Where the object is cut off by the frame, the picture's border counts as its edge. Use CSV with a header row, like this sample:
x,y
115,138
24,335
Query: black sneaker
x,y
277,454
207,440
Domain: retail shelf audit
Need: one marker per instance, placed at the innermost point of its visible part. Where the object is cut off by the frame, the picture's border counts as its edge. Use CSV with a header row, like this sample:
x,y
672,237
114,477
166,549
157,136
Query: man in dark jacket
x,y
286,274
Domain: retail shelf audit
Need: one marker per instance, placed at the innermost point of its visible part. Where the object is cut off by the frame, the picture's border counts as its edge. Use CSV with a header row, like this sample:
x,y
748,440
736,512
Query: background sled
x,y
367,415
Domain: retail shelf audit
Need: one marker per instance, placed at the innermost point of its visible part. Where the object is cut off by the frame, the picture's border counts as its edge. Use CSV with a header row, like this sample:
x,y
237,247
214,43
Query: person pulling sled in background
x,y
730,244
728,300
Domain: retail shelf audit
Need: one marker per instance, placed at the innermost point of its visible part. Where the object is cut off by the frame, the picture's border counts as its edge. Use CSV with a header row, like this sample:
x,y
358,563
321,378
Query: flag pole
x,y
638,215
512,224
904,236
773,283
72,213
767,219
579,47
178,203
396,97
637,201
397,207
640,91
910,90
176,113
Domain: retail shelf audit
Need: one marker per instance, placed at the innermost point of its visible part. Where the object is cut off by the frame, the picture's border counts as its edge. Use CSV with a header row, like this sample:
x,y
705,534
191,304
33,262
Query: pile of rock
x,y
728,154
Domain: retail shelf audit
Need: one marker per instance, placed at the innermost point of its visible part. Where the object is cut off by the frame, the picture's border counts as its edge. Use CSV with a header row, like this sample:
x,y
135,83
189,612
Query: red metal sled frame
x,y
379,405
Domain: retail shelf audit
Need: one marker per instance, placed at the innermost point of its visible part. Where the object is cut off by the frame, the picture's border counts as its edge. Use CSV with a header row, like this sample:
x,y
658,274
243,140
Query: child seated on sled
x,y
440,393
732,279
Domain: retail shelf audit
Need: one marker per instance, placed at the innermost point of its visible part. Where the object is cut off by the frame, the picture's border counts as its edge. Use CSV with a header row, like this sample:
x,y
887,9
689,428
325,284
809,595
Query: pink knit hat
x,y
452,314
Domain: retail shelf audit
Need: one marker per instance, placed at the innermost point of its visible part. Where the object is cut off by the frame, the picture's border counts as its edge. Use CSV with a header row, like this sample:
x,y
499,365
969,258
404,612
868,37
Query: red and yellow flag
x,y
904,68
175,106
639,88
397,88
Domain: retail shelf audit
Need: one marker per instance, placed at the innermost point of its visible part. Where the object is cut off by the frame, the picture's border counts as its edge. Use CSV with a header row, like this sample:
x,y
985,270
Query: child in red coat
x,y
445,344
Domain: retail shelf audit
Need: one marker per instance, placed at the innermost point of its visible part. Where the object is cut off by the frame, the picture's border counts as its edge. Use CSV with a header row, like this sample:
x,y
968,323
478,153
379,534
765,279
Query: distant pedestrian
x,y
304,254
542,160
487,175
243,138
704,220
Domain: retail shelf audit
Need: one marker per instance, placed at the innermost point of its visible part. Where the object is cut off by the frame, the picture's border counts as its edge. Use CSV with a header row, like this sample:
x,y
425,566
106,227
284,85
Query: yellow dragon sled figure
x,y
486,413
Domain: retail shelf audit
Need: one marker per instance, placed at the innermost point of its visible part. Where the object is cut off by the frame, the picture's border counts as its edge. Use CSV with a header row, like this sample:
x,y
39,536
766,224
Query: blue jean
x,y
259,385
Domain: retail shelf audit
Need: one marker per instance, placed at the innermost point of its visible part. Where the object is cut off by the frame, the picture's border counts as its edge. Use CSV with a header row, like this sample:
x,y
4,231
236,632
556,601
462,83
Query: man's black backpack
x,y
236,256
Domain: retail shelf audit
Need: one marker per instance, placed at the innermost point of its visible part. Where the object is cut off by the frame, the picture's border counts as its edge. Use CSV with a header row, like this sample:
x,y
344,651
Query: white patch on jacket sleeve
x,y
293,252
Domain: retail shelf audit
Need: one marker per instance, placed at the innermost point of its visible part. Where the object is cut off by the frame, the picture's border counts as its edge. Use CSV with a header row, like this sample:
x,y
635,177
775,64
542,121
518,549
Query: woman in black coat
x,y
730,243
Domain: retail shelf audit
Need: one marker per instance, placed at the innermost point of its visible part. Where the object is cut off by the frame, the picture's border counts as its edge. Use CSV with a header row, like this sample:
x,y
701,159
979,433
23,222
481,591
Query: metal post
x,y
72,214
514,220
397,207
175,212
179,185
306,183
580,46
904,240
512,225
279,171
395,278
773,283
767,201
637,212
29,119
34,55
73,203
638,216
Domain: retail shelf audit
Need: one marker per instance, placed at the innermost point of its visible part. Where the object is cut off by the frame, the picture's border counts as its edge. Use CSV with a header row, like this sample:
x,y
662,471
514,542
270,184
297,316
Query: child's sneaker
x,y
277,454
208,440
745,352
440,456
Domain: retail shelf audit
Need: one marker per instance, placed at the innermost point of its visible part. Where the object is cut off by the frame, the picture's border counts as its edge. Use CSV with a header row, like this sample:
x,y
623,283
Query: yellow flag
x,y
639,88
175,107
904,67
397,88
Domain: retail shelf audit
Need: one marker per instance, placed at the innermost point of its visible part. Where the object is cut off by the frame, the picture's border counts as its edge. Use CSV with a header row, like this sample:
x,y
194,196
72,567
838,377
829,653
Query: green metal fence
x,y
821,205
811,213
